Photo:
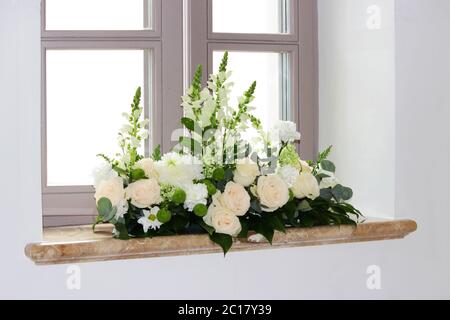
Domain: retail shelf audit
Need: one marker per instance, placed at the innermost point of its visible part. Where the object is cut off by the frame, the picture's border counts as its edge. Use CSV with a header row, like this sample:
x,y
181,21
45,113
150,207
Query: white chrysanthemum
x,y
178,170
289,174
103,172
195,194
286,131
150,220
122,209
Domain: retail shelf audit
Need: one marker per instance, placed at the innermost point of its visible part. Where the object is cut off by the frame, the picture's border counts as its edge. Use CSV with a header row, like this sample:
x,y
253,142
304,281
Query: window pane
x,y
266,69
250,16
97,14
87,91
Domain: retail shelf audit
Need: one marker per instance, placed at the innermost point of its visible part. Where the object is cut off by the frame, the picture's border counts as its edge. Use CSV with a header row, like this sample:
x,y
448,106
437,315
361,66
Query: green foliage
x,y
156,155
224,62
327,165
197,83
191,125
137,174
324,154
223,240
105,209
341,193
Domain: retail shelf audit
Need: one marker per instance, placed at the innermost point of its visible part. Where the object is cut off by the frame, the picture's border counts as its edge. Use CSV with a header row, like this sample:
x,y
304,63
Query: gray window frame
x,y
301,43
180,39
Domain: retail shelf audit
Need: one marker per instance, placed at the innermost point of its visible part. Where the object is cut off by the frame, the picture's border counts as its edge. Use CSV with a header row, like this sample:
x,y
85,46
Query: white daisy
x,y
150,220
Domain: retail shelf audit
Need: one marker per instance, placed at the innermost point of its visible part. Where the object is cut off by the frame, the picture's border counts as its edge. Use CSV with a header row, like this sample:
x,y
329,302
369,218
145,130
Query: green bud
x,y
219,174
179,196
211,187
200,210
164,215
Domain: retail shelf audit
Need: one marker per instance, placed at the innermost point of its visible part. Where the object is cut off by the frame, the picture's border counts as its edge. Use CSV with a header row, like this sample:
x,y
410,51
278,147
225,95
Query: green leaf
x,y
274,222
98,220
191,125
122,231
223,240
245,229
137,174
156,155
255,205
306,221
326,194
265,230
324,154
342,193
179,223
194,146
207,228
104,207
327,165
347,194
304,206
119,170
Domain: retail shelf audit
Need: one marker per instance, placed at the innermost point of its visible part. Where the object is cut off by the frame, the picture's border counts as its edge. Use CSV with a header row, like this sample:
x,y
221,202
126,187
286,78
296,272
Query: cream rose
x,y
226,223
144,193
236,198
222,219
273,192
305,167
111,189
246,172
148,166
306,186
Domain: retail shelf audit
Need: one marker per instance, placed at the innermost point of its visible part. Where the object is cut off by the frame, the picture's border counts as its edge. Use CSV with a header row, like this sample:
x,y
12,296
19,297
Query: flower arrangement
x,y
216,181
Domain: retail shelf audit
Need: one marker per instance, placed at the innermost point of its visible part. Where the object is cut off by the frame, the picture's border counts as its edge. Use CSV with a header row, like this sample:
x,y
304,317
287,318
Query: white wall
x,y
357,98
413,268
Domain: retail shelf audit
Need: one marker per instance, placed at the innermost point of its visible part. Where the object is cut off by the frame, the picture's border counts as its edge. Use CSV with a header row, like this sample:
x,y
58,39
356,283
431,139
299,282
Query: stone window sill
x,y
79,244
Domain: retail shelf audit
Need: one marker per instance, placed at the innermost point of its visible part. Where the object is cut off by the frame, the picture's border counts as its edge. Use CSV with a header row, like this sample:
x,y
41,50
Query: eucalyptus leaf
x,y
327,165
104,207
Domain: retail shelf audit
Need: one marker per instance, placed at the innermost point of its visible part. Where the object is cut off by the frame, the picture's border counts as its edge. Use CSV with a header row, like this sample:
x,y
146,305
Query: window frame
x,y
153,32
292,36
73,205
182,38
304,67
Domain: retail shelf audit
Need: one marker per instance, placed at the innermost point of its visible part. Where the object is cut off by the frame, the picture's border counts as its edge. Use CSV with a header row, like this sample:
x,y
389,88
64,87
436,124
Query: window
x,y
96,52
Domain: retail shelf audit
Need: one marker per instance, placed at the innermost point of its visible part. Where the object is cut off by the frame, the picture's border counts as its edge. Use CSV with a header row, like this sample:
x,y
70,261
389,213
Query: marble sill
x,y
66,245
